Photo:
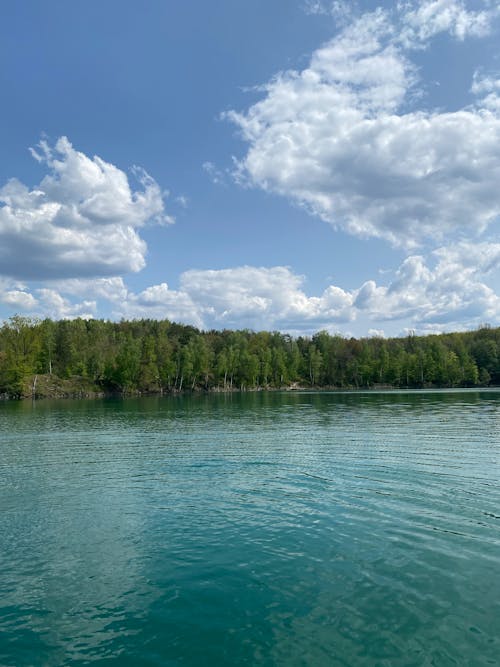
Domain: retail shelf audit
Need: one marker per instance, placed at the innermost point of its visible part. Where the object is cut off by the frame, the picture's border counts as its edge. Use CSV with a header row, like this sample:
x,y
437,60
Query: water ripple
x,y
273,529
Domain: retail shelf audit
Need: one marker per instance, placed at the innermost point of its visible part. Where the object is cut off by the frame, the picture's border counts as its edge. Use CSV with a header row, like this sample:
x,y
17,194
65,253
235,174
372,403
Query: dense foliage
x,y
158,356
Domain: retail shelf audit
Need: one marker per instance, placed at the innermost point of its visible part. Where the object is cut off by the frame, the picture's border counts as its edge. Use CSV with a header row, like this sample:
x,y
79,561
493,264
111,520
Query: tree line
x,y
151,356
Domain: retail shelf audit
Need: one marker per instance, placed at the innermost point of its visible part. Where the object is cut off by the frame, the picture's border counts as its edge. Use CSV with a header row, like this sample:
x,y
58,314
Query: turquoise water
x,y
258,529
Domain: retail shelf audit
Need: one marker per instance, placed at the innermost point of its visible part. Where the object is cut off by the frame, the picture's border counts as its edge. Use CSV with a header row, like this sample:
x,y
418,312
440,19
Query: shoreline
x,y
66,390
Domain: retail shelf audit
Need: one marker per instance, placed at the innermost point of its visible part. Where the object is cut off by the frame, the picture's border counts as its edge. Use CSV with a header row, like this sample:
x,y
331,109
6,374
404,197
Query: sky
x,y
291,165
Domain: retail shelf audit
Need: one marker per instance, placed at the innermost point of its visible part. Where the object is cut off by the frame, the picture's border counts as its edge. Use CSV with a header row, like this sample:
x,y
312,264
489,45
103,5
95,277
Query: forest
x,y
89,357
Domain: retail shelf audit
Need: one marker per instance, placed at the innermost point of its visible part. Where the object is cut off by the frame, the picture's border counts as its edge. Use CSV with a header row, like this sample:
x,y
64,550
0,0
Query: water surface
x,y
259,529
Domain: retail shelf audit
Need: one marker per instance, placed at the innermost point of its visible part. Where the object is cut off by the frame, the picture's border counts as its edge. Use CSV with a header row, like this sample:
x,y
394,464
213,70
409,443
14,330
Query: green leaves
x,y
153,356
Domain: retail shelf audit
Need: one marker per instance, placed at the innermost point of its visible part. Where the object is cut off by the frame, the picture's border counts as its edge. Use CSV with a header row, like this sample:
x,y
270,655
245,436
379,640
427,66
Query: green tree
x,y
21,346
315,359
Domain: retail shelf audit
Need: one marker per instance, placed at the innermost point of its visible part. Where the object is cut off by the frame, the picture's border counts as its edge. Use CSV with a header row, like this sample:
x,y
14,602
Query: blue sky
x,y
294,165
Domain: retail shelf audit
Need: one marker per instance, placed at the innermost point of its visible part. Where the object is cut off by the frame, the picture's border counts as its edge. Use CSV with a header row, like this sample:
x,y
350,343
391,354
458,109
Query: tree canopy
x,y
151,356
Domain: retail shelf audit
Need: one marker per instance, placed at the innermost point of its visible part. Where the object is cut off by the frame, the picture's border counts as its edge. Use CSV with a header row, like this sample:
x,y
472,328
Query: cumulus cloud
x,y
253,297
54,305
80,221
158,302
45,302
340,139
449,294
446,292
109,289
18,299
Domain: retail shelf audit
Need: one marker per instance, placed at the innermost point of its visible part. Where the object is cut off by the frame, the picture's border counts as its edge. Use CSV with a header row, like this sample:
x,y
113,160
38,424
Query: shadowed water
x,y
258,529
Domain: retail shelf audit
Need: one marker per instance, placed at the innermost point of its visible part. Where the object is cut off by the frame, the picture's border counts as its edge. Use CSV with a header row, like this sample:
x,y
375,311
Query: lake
x,y
282,528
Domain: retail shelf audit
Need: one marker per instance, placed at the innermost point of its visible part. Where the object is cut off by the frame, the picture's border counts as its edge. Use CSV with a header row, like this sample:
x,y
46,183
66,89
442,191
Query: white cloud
x,y
341,10
418,21
80,221
110,289
215,174
44,302
424,19
337,138
54,305
241,297
18,299
376,333
448,292
159,302
487,88
473,258
482,83
263,298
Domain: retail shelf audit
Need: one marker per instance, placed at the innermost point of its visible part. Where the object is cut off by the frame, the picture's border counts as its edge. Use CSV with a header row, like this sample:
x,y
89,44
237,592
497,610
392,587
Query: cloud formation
x,y
339,137
341,10
449,295
446,292
80,221
342,138
241,297
423,20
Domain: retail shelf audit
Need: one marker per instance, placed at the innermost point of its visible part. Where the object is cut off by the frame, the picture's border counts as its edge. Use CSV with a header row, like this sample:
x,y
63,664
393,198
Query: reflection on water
x,y
268,528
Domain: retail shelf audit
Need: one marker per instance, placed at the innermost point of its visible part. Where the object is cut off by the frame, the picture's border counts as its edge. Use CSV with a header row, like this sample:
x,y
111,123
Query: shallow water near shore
x,y
252,529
